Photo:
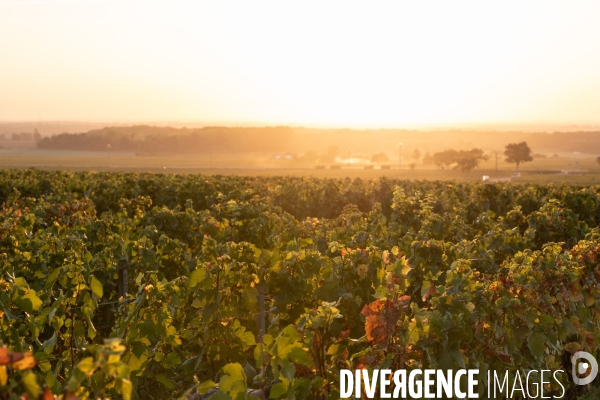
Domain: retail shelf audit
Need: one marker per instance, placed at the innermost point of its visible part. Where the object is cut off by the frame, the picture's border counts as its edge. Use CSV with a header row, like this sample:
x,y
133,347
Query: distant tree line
x,y
170,140
153,139
24,136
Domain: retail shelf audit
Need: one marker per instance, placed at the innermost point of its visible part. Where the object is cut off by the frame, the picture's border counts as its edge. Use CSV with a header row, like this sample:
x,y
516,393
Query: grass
x,y
546,170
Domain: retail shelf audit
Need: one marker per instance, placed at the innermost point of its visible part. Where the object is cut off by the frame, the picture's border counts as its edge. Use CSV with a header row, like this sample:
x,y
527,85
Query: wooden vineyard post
x,y
261,314
261,326
122,286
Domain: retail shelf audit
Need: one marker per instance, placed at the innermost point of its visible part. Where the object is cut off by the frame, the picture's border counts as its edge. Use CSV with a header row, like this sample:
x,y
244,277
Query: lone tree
x,y
416,156
427,159
380,158
466,160
444,159
518,153
598,159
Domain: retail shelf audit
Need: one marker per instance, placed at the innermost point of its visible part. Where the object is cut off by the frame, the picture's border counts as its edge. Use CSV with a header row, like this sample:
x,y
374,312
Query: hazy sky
x,y
303,63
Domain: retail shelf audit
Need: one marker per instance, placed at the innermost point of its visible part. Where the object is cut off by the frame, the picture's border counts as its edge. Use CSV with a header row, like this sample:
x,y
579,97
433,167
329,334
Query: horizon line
x,y
413,126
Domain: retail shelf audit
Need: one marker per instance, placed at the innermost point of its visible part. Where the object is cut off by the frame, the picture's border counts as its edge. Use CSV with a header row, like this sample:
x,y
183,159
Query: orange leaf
x,y
429,293
4,356
381,318
8,357
26,361
47,395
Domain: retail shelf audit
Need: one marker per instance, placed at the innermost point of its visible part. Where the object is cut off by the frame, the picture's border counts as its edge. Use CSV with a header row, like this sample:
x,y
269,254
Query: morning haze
x,y
165,85
336,65
232,199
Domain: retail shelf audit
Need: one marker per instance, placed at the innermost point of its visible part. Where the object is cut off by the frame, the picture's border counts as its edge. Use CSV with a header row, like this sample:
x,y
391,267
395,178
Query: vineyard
x,y
149,286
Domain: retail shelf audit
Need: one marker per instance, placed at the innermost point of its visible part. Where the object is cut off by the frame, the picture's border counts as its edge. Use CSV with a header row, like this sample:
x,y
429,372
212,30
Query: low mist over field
x,y
180,140
468,153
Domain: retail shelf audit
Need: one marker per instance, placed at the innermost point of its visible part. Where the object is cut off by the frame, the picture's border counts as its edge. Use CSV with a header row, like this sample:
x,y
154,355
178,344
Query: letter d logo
x,y
582,367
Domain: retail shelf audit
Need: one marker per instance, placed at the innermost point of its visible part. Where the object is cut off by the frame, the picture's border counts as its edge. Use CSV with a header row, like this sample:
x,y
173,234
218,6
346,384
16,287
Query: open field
x,y
567,168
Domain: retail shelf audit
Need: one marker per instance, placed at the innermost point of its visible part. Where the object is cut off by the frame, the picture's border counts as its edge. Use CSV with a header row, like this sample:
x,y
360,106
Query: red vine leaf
x,y
381,318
